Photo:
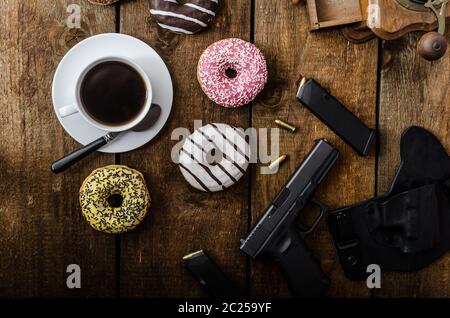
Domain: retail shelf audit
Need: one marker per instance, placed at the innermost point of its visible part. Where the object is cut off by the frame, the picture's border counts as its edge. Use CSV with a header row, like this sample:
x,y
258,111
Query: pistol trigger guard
x,y
305,230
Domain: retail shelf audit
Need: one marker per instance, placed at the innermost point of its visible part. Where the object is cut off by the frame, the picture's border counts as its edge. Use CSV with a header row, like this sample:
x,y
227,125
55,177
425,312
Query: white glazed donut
x,y
214,157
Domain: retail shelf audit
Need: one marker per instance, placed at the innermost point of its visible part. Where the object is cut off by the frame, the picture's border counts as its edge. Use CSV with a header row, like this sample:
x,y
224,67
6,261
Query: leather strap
x,y
347,243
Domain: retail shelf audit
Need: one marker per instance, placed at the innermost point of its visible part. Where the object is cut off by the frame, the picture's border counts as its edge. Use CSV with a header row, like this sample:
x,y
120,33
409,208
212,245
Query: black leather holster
x,y
409,227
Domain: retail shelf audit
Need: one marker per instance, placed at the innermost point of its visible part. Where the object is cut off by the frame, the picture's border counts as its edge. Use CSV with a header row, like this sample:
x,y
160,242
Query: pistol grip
x,y
301,271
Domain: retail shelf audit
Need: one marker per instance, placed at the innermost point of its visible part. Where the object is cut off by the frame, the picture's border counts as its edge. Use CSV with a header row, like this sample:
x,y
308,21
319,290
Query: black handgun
x,y
279,235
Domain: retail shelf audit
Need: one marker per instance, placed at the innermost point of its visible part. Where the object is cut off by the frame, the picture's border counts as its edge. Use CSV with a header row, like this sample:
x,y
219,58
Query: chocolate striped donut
x,y
214,157
188,18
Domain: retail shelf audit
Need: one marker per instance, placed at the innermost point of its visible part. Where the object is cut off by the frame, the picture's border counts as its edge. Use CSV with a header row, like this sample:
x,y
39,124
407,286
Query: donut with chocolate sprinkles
x,y
188,18
114,199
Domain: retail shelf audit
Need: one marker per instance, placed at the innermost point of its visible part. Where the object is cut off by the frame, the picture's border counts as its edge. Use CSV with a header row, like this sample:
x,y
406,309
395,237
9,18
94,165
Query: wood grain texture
x,y
42,229
392,20
326,13
413,92
183,220
349,72
41,226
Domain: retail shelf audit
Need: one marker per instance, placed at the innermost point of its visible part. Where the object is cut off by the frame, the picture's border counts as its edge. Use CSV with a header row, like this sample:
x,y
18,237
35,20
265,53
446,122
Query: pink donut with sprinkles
x,y
232,72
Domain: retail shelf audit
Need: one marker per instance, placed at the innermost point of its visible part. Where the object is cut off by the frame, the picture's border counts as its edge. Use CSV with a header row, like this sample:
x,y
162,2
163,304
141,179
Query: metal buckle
x,y
347,244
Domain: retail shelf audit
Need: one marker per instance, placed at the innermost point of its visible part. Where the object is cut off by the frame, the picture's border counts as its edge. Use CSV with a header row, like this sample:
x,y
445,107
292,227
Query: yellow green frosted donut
x,y
114,199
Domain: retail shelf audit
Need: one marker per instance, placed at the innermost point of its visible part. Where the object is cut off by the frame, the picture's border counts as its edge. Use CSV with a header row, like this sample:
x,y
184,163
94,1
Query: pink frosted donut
x,y
232,72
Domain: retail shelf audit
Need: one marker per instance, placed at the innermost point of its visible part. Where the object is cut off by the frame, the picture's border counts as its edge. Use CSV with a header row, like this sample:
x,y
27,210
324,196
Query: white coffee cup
x,y
77,106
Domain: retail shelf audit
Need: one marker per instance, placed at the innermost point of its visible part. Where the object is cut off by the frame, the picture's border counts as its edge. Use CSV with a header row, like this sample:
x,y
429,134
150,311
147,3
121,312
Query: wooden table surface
x,y
41,227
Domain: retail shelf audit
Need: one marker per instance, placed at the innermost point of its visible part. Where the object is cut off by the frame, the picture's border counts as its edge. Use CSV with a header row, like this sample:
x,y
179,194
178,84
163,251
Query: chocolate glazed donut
x,y
188,18
103,2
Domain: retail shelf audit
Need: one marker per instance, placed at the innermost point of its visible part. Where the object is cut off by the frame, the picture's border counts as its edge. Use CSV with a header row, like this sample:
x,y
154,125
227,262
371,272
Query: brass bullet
x,y
285,125
189,256
301,84
276,163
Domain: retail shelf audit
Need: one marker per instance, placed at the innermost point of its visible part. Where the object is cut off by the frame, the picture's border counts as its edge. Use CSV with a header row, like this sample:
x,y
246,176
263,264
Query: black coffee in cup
x,y
113,93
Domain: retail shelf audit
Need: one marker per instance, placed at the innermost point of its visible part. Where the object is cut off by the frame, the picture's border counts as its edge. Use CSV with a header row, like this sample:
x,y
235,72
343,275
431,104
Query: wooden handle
x,y
432,46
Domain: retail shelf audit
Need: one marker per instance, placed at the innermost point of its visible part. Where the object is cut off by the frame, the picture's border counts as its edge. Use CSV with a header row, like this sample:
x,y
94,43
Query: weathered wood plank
x,y
42,229
183,220
413,92
350,72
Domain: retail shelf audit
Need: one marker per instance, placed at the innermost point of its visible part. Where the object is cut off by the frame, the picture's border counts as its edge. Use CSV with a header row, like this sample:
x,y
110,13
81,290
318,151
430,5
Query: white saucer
x,y
103,45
